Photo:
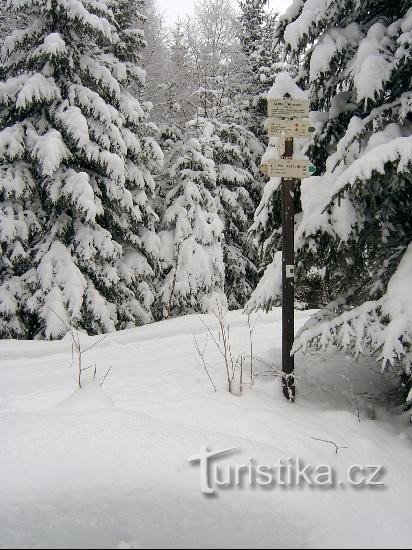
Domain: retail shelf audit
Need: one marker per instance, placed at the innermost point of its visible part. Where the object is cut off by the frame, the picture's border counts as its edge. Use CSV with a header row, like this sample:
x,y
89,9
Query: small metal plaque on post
x,y
290,272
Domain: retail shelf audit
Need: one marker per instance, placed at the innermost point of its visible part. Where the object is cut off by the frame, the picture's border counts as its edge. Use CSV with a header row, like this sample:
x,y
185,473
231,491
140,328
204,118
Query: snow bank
x,y
90,474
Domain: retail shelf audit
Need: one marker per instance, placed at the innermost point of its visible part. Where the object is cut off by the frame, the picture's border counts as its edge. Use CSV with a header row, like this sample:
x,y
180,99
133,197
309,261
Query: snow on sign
x,y
290,128
288,169
288,108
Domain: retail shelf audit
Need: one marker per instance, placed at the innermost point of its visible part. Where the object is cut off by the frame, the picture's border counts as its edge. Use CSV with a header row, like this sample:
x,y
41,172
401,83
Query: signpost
x,y
287,120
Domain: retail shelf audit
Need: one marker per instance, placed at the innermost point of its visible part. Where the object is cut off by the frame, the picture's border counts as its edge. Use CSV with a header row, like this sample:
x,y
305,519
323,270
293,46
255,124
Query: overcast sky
x,y
178,8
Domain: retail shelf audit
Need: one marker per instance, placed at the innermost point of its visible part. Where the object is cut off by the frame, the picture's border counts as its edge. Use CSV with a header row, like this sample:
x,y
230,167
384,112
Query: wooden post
x,y
288,289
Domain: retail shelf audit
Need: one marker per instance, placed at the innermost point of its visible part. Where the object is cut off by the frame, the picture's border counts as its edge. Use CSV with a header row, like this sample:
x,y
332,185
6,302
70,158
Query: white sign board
x,y
288,108
278,127
288,169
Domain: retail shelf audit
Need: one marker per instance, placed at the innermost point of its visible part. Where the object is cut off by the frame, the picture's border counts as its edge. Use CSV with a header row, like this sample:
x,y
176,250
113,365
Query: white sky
x,y
173,9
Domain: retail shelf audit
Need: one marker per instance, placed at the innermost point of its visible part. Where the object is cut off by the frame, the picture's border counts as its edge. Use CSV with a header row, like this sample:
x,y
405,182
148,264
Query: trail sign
x,y
288,168
288,108
278,127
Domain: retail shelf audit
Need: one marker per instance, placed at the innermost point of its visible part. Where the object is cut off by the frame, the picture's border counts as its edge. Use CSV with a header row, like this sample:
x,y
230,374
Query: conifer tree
x,y
78,246
191,239
236,153
232,154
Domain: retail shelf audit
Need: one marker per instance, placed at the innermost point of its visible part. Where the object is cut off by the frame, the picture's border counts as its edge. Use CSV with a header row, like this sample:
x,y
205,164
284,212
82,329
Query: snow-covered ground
x,y
110,468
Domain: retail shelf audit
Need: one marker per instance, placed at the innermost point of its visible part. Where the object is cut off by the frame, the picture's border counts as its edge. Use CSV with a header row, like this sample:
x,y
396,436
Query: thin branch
x,y
105,376
172,291
202,361
337,447
213,338
354,394
95,344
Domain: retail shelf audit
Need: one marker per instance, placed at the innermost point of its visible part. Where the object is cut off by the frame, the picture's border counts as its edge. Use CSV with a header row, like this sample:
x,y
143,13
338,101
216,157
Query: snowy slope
x,y
110,469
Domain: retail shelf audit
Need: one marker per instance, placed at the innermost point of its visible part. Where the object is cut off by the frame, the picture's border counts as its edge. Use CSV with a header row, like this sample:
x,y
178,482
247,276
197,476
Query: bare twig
x,y
354,394
337,447
172,290
95,343
224,351
202,361
105,376
241,374
77,349
84,369
234,364
250,345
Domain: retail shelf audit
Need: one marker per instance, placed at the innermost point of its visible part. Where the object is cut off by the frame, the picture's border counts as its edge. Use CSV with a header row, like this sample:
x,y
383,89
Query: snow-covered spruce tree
x,y
192,231
356,224
236,154
76,225
232,152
